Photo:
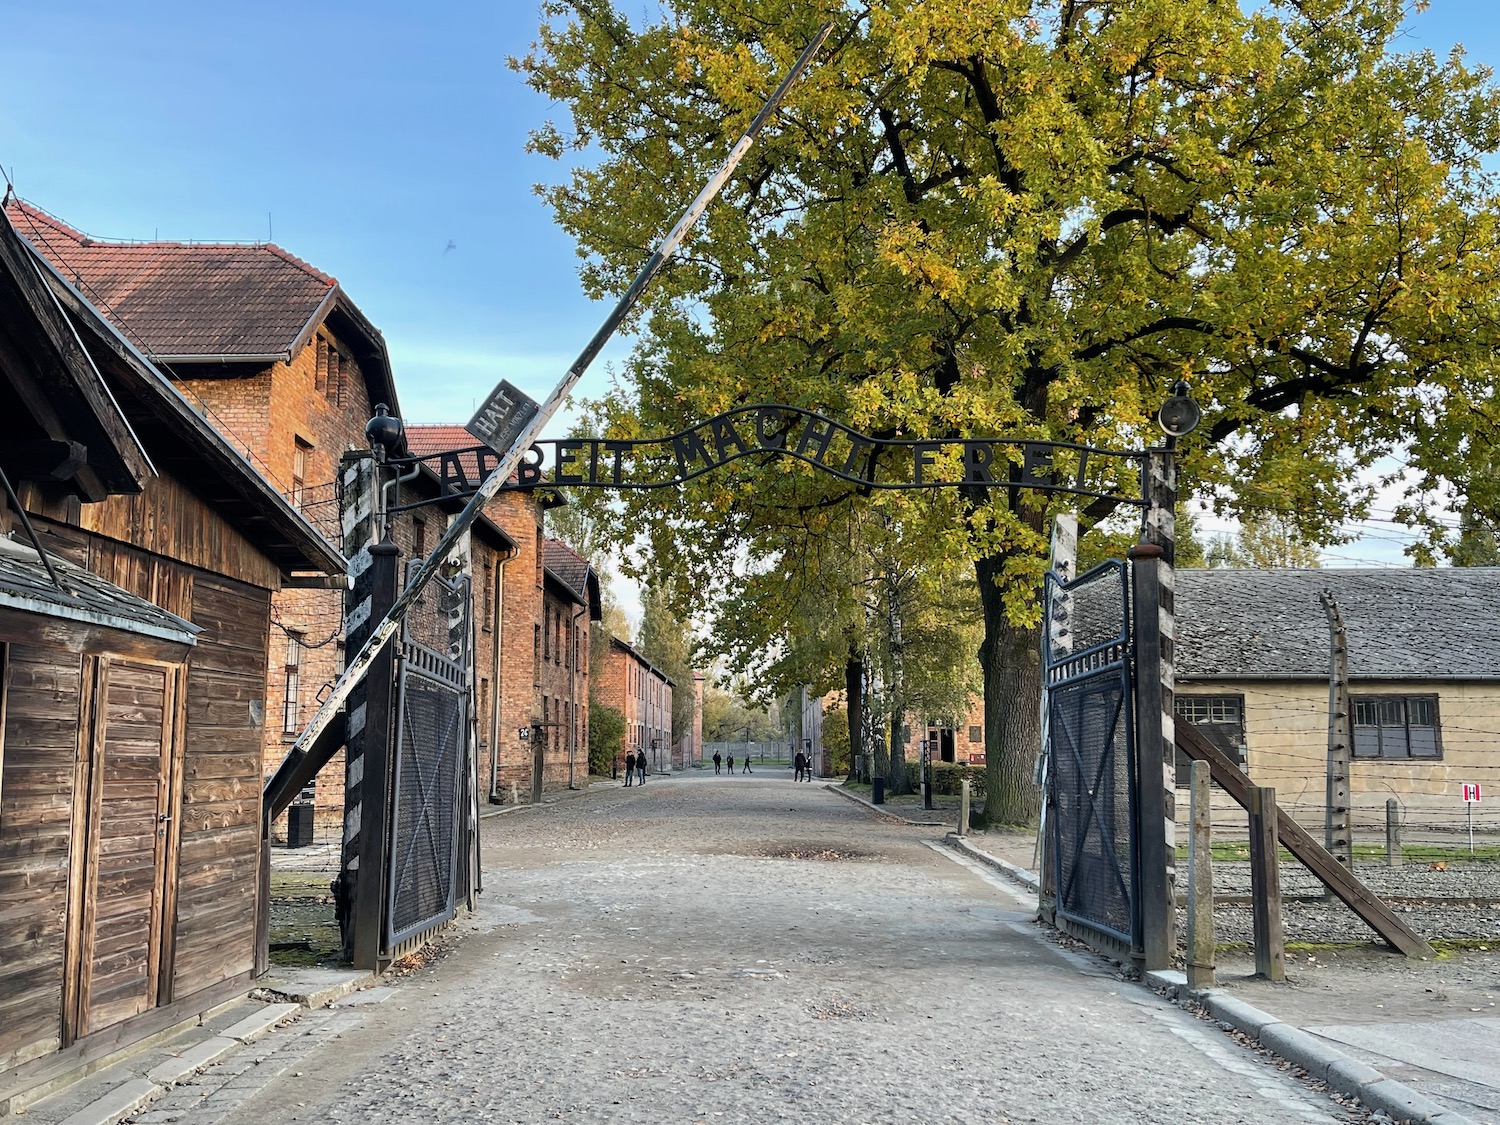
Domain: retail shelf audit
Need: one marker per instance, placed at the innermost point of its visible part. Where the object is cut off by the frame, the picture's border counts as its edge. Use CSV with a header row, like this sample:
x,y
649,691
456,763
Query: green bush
x,y
606,734
948,776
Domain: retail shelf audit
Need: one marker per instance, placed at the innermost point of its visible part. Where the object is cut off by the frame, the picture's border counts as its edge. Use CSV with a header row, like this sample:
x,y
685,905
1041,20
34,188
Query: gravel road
x,y
748,949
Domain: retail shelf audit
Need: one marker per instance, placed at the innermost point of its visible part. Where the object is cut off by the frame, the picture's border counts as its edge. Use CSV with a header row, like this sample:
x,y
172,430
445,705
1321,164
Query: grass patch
x,y
304,930
1238,851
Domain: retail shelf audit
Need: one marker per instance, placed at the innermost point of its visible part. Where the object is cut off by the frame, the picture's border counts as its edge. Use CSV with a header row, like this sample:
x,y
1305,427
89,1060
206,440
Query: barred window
x,y
1396,726
1218,718
1200,709
976,734
293,685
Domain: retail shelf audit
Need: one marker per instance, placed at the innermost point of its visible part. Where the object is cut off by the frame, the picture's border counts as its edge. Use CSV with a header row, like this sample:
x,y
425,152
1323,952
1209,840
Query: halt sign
x,y
1472,793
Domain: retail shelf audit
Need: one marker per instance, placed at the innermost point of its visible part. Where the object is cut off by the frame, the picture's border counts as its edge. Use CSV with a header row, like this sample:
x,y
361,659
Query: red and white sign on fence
x,y
1472,793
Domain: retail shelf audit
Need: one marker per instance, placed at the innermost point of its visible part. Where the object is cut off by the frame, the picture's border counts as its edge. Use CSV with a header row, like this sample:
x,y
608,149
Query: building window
x,y
418,537
536,653
300,451
1396,726
293,692
1218,718
547,636
976,734
320,371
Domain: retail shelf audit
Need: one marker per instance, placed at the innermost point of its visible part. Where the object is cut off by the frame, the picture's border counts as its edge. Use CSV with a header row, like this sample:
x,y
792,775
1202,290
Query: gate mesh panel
x,y
432,761
1091,766
423,830
1091,779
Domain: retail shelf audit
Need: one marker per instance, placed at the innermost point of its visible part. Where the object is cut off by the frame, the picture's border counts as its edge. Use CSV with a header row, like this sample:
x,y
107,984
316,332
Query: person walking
x,y
718,762
731,765
746,768
629,766
800,763
640,764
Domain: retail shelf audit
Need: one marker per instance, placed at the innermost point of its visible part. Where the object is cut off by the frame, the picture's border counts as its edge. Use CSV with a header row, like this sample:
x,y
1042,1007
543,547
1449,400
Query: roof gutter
x,y
273,357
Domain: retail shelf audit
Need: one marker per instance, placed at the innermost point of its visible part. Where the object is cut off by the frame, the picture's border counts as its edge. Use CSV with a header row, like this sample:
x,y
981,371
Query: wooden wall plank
x,y
38,757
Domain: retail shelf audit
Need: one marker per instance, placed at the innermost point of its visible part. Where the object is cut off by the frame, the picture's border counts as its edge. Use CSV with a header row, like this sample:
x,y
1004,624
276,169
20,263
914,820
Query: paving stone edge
x,y
858,800
1321,1060
1016,872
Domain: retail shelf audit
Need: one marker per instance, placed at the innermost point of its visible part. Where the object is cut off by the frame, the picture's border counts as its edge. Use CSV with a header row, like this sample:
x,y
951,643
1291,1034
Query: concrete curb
x,y
118,1104
1322,1061
858,800
256,1024
316,988
1019,874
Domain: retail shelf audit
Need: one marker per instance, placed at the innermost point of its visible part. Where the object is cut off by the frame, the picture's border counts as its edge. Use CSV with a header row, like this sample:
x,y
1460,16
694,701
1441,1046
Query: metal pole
x,y
1200,891
360,665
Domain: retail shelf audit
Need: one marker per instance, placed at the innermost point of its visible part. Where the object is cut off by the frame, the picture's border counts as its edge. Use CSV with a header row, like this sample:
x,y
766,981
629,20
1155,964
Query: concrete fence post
x,y
963,807
1200,884
1265,886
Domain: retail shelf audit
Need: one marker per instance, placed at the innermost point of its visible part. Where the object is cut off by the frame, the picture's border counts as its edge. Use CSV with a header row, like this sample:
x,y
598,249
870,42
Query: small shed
x,y
140,556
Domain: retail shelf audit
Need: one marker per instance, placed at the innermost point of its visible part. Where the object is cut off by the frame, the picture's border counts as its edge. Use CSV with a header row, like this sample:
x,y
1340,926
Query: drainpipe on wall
x,y
573,690
499,679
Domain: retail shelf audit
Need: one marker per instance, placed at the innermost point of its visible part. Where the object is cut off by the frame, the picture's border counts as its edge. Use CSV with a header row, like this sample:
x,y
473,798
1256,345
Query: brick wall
x,y
520,515
297,417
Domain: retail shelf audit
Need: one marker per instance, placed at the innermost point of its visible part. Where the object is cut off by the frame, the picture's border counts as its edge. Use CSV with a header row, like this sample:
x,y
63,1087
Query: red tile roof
x,y
571,568
179,299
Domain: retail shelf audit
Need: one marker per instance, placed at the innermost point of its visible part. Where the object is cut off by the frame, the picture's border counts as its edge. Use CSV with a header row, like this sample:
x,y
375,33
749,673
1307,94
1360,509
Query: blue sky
x,y
362,137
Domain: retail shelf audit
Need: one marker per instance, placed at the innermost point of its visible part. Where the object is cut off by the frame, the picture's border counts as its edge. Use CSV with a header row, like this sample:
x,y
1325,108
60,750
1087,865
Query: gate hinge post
x,y
375,788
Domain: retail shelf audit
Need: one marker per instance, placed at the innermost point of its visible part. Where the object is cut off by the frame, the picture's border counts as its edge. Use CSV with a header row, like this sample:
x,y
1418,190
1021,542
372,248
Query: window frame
x,y
1240,754
1405,698
291,696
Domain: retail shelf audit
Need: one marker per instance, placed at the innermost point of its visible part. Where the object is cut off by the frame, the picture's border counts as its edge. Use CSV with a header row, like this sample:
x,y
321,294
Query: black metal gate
x,y
433,760
1091,752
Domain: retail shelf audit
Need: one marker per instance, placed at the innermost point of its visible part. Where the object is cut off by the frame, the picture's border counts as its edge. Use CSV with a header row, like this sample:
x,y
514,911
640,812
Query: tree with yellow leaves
x,y
1032,217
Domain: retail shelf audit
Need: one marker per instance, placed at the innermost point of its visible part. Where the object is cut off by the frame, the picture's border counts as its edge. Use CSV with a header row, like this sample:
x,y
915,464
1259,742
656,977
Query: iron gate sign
x,y
804,435
1091,751
431,761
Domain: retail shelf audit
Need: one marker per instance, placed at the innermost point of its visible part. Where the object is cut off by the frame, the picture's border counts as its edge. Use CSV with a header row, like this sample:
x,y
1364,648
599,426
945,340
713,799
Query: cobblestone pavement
x,y
748,949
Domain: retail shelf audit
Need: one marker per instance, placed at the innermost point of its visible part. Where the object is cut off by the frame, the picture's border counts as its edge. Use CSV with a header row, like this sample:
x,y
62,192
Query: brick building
x,y
641,692
534,607
277,358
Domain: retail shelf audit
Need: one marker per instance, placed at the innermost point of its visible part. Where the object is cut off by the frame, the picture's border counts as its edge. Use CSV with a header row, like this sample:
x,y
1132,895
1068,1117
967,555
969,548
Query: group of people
x,y
719,763
803,764
635,763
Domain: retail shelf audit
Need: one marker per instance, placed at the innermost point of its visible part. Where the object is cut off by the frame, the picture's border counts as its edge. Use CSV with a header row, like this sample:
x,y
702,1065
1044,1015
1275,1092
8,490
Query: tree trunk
x,y
854,693
1011,663
897,779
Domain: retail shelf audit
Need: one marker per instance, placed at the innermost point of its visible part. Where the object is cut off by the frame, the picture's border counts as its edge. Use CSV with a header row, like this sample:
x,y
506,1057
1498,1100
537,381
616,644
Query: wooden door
x,y
131,767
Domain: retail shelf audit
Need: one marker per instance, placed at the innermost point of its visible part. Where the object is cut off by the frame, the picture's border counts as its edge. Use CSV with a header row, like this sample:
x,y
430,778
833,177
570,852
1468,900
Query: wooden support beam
x,y
1333,875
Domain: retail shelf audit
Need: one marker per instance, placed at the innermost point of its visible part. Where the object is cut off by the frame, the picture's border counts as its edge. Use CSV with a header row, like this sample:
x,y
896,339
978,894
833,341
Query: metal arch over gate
x,y
1092,753
432,762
